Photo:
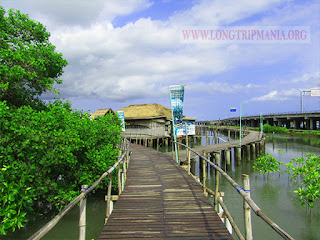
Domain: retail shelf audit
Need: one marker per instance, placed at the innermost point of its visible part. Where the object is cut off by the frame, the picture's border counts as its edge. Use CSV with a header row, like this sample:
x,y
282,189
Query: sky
x,y
124,52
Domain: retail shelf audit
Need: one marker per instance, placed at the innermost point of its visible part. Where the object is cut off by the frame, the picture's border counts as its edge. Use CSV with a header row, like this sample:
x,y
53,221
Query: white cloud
x,y
218,12
143,57
57,13
277,95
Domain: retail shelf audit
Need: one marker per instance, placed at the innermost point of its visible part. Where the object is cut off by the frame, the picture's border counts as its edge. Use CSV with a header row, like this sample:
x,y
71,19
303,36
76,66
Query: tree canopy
x,y
29,63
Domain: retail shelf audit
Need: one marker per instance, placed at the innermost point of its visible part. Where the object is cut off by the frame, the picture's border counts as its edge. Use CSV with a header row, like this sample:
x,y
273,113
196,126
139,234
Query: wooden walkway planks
x,y
161,201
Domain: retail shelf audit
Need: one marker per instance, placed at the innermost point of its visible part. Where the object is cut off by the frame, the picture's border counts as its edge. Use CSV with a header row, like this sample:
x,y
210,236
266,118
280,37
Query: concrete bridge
x,y
306,120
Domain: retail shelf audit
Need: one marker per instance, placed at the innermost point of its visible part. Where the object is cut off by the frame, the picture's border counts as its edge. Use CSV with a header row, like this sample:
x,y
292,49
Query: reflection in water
x,y
274,195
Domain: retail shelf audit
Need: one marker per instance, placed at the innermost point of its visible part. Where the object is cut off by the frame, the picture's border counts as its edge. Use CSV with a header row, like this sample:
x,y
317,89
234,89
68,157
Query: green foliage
x,y
47,155
273,129
307,171
29,63
267,164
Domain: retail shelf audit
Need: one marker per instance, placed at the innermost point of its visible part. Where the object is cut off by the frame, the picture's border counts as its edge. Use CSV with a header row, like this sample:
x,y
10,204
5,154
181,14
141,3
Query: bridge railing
x,y
244,193
123,159
274,114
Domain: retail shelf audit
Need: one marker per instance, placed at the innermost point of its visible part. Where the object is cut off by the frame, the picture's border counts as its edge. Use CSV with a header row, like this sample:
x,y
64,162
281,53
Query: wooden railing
x,y
248,203
124,158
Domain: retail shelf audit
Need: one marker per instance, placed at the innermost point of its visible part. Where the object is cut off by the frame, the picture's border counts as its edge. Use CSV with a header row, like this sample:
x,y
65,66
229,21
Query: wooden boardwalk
x,y
161,201
252,137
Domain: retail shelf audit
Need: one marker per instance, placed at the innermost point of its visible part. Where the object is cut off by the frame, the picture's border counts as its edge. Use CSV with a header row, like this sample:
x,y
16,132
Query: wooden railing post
x,y
187,149
178,148
246,208
119,175
108,212
82,218
204,173
124,170
217,179
172,148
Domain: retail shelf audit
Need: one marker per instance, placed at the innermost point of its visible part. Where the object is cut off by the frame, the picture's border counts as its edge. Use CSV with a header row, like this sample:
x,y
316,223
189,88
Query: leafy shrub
x,y
45,156
267,164
270,129
307,172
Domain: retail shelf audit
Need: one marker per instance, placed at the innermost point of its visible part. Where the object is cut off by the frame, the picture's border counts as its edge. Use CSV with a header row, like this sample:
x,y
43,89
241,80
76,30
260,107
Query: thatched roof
x,y
102,112
146,111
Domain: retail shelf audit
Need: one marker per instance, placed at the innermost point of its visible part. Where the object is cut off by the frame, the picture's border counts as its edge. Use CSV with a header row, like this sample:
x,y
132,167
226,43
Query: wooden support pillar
x,y
246,208
228,157
253,151
248,152
229,135
237,154
82,219
157,144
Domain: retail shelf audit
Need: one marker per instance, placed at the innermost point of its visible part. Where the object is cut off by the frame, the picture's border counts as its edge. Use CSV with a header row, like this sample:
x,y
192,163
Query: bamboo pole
x,y
119,181
108,213
187,149
82,218
172,146
204,173
246,208
178,149
230,218
119,176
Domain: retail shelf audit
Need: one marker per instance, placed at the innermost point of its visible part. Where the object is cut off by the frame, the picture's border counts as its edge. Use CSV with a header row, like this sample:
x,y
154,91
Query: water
x,y
274,196
67,228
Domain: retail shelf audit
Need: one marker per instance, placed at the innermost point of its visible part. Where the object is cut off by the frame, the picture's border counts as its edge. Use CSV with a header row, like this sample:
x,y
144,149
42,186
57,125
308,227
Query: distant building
x,y
152,119
102,112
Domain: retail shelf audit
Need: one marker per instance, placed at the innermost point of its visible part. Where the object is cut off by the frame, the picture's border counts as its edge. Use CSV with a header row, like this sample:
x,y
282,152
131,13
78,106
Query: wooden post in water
x,y
237,154
246,208
258,148
157,144
248,152
206,137
253,151
228,157
82,219
216,195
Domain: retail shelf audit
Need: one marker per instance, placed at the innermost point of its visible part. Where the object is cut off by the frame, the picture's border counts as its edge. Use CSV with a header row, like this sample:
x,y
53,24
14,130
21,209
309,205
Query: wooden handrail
x,y
46,228
244,195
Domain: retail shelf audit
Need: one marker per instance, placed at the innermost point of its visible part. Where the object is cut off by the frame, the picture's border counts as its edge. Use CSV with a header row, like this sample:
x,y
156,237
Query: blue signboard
x,y
121,116
176,99
233,109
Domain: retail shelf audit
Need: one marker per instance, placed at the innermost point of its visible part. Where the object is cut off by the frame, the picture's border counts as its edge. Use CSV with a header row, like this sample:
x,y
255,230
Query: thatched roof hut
x,y
102,112
146,111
